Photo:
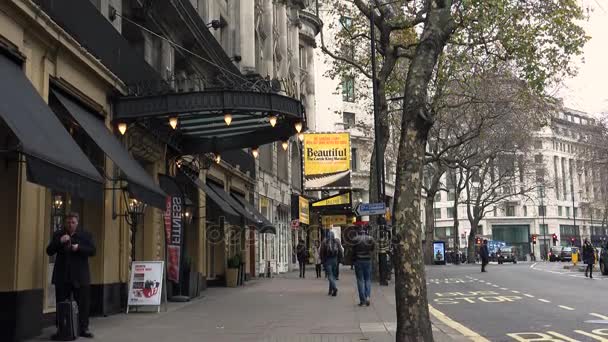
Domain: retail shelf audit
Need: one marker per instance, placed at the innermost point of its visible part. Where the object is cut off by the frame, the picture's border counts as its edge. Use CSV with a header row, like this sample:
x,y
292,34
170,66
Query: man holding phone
x,y
71,274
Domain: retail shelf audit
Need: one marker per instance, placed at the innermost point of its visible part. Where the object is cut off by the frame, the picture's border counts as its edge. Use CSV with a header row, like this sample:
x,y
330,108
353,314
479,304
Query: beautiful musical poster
x,y
327,161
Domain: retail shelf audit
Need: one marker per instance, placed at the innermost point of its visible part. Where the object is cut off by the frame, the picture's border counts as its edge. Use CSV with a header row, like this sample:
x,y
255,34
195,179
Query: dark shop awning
x,y
248,215
264,226
54,160
140,184
231,215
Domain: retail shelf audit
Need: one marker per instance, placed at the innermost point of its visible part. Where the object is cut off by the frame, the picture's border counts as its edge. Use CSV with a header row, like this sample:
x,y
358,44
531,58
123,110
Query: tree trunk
x,y
472,249
413,321
429,233
455,234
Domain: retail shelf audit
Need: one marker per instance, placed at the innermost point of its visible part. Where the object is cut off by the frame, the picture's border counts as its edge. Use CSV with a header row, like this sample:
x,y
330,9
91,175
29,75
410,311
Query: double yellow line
x,y
470,334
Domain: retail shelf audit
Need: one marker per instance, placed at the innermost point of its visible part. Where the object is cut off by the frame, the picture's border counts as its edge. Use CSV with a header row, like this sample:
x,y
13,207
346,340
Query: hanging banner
x,y
146,284
304,210
174,231
327,161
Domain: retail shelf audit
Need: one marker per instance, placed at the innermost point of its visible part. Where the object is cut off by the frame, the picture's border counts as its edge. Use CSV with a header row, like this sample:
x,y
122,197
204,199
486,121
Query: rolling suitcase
x,y
67,321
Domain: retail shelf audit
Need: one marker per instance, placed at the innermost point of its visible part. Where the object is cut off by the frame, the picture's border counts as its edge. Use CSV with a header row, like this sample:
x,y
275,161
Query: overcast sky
x,y
588,91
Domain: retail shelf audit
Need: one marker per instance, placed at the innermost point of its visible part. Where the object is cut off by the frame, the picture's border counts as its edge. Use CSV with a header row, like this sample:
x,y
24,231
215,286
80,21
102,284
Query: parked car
x,y
508,254
566,253
555,253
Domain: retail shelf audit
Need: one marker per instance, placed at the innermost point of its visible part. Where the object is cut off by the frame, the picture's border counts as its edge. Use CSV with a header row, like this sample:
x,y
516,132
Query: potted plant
x,y
232,271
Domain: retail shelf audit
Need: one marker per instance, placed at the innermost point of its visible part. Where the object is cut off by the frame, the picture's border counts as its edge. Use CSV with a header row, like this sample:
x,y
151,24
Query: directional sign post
x,y
367,209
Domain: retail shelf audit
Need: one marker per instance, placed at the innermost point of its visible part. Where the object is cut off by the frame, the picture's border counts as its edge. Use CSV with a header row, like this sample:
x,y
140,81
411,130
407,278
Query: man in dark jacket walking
x,y
363,247
484,254
331,251
302,255
71,274
588,258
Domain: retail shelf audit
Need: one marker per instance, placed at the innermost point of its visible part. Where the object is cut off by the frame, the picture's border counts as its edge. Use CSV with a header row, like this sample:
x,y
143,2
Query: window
x,y
525,210
575,211
266,157
451,212
567,211
451,195
542,210
543,229
510,210
559,210
353,159
538,158
540,175
437,213
348,89
348,119
538,144
438,196
303,60
494,211
282,162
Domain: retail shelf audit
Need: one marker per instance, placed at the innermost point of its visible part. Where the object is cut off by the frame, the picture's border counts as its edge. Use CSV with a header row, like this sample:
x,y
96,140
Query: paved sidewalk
x,y
285,308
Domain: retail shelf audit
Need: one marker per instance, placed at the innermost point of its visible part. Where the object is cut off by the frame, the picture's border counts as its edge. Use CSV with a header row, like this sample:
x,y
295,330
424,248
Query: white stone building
x,y
344,105
564,149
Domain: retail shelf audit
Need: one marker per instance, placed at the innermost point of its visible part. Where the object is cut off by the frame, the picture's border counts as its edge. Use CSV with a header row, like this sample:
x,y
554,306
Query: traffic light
x,y
534,239
478,241
572,240
554,237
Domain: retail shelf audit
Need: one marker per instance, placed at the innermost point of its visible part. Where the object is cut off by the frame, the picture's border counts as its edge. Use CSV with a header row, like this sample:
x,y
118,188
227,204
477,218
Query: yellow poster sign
x,y
327,161
333,220
304,210
343,199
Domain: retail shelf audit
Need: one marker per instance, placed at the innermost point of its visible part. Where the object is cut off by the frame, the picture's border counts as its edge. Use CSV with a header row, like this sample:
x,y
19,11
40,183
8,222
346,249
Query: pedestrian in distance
x,y
302,255
588,258
484,254
330,253
316,253
71,273
363,247
340,259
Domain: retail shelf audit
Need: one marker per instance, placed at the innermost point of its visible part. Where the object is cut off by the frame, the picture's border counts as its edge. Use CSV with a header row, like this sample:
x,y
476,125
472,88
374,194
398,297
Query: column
x,y
268,19
247,35
310,88
282,29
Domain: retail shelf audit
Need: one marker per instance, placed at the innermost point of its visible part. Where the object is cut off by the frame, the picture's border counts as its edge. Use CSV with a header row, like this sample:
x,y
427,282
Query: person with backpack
x,y
363,248
302,255
331,251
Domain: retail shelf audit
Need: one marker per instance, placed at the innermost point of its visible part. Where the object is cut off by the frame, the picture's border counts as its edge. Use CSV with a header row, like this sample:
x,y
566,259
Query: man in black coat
x,y
484,254
71,274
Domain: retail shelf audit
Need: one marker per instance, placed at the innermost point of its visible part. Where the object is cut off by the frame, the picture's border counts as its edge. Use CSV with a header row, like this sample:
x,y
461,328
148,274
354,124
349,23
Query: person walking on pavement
x,y
302,255
484,254
363,247
330,253
340,259
588,258
316,253
71,273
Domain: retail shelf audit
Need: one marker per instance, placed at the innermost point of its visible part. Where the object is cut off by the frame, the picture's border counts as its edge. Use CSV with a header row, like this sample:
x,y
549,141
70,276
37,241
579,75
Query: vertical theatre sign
x,y
174,231
327,161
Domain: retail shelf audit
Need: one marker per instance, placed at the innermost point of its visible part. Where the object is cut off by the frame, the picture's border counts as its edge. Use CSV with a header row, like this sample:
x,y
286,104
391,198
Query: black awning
x,y
141,184
264,226
231,215
53,158
234,204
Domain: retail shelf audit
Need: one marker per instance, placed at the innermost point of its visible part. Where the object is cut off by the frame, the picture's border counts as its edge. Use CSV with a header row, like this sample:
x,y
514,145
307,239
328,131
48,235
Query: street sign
x,y
366,209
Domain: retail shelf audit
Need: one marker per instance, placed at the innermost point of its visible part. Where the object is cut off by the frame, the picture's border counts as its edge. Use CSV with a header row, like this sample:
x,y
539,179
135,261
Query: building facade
x,y
567,155
130,103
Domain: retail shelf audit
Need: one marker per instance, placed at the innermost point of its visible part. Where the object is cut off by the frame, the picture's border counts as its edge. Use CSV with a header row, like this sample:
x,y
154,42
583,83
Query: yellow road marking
x,y
566,307
473,336
544,300
599,316
565,338
595,337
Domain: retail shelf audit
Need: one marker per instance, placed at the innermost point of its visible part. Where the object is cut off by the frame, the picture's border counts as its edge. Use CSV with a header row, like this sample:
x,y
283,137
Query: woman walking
x,y
588,258
316,253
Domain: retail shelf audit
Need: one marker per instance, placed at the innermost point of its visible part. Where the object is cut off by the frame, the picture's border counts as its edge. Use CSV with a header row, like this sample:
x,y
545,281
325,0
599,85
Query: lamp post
x,y
543,214
135,209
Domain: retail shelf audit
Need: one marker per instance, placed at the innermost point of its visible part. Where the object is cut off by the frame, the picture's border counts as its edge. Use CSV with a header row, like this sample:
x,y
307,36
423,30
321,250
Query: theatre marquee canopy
x,y
202,117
